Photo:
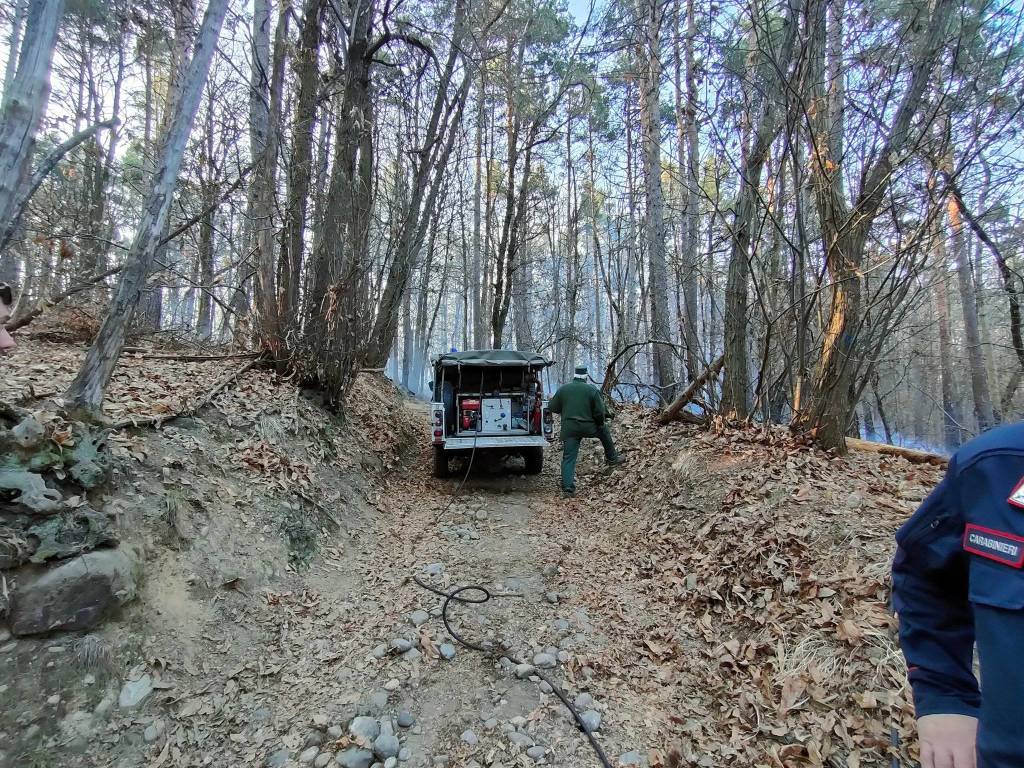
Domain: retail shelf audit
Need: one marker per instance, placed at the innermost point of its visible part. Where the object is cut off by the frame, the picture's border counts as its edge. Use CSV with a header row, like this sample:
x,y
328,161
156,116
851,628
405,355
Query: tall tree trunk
x,y
735,382
14,44
845,229
22,113
87,390
980,391
654,229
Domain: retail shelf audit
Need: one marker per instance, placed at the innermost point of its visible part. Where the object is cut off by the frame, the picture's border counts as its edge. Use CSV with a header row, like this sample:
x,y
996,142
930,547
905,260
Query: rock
x,y
309,755
691,581
551,597
134,692
418,618
631,758
536,752
405,754
523,671
413,654
591,720
490,724
105,705
365,729
406,718
75,594
153,731
314,739
470,738
434,570
322,760
354,757
380,651
28,432
277,759
401,645
583,701
261,715
54,700
560,625
335,731
392,685
391,762
564,657
386,745
520,739
447,651
545,686
71,533
545,661
379,701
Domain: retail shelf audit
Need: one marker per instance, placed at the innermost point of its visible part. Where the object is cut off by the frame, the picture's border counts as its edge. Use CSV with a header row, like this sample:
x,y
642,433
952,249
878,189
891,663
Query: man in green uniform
x,y
583,415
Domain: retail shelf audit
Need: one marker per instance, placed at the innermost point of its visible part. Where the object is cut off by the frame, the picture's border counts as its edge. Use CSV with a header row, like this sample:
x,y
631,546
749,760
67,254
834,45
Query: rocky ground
x,y
719,600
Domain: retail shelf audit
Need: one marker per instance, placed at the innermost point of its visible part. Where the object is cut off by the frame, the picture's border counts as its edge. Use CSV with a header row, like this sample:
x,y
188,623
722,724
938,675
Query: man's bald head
x,y
6,307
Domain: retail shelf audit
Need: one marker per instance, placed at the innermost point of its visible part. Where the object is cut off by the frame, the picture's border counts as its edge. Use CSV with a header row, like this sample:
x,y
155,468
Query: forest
x,y
796,212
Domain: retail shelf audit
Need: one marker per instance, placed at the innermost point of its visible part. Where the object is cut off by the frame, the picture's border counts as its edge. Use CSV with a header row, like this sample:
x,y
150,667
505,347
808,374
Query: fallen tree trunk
x,y
22,320
675,408
917,457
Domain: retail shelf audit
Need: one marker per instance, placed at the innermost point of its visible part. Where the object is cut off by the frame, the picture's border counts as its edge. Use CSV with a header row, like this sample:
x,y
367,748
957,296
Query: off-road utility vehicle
x,y
489,404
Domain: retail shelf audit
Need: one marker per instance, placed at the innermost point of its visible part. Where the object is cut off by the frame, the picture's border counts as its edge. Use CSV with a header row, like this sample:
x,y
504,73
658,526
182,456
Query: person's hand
x,y
947,741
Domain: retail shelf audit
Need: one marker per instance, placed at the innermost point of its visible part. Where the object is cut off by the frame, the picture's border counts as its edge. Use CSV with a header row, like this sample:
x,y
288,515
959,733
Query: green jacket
x,y
582,409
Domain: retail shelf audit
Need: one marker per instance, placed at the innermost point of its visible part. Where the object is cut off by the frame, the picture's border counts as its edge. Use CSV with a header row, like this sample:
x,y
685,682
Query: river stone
x,y
417,618
592,720
364,728
631,758
544,661
277,759
354,757
523,671
536,752
309,755
75,594
447,651
470,738
134,692
401,645
520,739
406,719
386,746
322,760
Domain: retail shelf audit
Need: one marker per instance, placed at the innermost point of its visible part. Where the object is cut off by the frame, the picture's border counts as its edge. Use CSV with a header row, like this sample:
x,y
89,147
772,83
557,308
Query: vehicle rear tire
x,y
534,458
440,462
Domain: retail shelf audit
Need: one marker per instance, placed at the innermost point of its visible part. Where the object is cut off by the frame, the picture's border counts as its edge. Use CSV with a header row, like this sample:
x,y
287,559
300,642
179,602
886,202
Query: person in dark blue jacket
x,y
958,581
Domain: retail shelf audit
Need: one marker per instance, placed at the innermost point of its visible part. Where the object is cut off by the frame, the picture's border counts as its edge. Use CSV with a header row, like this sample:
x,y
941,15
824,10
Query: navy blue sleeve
x,y
930,596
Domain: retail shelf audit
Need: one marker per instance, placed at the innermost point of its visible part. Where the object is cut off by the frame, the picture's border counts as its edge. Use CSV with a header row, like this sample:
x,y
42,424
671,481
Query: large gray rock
x,y
353,757
76,594
69,534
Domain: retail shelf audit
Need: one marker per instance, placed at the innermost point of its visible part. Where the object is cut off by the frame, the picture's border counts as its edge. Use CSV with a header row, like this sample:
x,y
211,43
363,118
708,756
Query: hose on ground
x,y
479,595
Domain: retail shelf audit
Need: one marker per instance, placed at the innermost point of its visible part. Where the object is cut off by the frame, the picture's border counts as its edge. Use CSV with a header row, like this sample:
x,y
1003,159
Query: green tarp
x,y
507,358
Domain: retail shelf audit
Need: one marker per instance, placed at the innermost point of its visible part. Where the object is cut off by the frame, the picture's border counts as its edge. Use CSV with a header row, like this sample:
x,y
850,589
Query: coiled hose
x,y
479,595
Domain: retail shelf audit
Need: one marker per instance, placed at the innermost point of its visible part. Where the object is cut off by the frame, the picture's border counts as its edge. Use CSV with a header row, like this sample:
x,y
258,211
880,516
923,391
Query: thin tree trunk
x,y
87,390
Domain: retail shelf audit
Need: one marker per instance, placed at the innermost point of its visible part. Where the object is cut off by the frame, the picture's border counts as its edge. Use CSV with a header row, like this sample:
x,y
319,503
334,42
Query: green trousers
x,y
571,451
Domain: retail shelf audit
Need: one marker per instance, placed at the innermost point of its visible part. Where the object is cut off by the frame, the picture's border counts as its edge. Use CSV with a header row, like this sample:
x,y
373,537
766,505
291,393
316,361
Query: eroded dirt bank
x,y
720,600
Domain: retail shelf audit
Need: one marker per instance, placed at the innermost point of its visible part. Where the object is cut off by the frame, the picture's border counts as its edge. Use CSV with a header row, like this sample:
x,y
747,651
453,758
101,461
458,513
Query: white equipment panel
x,y
496,414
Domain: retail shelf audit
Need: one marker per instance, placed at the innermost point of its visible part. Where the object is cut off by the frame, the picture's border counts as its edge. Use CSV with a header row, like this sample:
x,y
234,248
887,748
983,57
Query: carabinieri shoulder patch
x,y
1002,547
1017,497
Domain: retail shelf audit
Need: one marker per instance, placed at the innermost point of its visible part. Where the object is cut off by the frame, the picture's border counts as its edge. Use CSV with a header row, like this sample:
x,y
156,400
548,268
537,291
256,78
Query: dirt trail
x,y
256,664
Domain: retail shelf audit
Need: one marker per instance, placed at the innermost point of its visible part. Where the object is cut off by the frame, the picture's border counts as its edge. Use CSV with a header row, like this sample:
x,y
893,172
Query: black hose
x,y
457,596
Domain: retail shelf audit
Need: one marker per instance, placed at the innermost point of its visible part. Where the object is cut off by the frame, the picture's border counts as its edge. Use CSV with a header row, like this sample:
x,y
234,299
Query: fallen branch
x,y
193,358
676,406
917,457
158,421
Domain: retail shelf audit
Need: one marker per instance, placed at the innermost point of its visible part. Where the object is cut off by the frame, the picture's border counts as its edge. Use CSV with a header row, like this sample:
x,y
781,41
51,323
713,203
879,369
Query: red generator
x,y
470,414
